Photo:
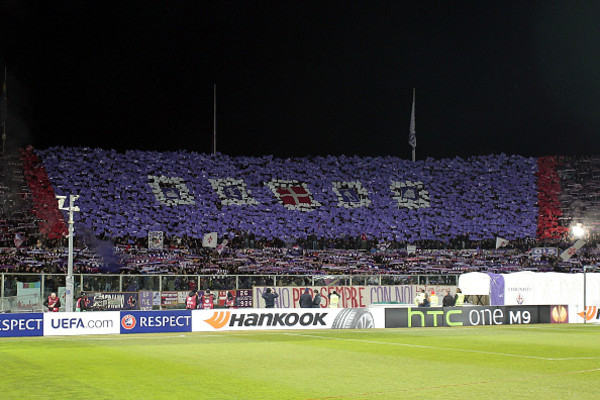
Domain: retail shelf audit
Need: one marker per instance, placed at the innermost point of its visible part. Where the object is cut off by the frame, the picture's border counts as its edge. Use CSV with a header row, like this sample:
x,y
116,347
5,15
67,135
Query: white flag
x,y
570,252
500,242
412,136
210,240
222,246
19,239
155,240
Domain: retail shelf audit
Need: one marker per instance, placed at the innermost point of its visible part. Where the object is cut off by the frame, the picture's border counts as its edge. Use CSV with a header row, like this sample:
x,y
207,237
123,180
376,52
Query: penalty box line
x,y
420,346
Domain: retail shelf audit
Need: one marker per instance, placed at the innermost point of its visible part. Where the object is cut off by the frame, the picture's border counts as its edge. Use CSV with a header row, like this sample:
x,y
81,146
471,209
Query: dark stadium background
x,y
305,77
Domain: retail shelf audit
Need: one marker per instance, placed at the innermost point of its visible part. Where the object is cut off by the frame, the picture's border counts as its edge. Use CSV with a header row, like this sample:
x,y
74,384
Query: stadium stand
x,y
309,216
387,198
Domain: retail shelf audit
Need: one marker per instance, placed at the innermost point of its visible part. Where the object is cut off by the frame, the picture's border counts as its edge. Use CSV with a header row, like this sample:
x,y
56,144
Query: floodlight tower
x,y
69,281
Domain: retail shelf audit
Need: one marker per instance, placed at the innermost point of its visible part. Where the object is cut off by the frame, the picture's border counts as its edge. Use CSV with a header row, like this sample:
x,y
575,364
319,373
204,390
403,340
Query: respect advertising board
x,y
81,323
155,321
21,324
412,317
287,318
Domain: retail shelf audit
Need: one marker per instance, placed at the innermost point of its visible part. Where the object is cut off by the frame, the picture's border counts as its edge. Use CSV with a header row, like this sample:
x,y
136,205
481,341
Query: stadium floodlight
x,y
69,280
61,202
578,231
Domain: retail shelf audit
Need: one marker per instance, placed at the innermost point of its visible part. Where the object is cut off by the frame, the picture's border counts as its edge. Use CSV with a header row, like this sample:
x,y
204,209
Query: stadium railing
x,y
42,284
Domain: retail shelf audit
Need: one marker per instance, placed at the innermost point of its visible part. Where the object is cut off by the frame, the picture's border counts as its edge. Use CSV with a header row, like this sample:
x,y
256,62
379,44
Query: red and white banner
x,y
350,296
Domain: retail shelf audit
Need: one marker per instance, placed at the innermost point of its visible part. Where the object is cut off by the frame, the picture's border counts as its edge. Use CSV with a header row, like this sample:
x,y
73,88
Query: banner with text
x,y
21,324
113,301
351,296
413,317
287,318
156,321
81,323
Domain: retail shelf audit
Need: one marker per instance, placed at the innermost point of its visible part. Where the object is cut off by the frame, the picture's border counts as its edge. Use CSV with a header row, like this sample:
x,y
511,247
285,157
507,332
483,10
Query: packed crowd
x,y
349,221
385,198
580,190
383,258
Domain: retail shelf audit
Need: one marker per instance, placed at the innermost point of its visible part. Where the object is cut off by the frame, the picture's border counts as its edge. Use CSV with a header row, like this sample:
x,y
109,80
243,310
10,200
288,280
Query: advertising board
x,y
81,323
287,318
21,324
412,317
589,315
156,321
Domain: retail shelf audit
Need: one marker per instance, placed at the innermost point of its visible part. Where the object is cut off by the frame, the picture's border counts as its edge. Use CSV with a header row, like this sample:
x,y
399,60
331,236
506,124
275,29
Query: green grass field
x,y
500,362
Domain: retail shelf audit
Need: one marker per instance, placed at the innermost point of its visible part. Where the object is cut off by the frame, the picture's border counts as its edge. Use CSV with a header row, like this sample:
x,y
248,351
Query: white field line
x,y
454,385
135,336
238,333
444,348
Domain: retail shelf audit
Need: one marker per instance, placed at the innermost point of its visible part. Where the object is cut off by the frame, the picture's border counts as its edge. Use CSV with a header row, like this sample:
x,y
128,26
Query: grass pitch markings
x,y
421,346
487,382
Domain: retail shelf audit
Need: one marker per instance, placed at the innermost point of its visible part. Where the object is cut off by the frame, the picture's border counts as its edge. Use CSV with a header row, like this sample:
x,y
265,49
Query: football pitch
x,y
492,362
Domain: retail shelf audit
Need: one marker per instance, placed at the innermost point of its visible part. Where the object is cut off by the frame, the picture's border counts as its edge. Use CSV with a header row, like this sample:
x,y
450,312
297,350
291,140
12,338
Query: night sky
x,y
298,78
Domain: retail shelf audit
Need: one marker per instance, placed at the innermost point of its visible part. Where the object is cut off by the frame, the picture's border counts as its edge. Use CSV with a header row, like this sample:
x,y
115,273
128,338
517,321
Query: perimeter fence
x,y
24,291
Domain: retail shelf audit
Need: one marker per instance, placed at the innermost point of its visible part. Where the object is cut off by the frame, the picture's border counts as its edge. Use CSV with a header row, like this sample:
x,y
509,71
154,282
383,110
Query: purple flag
x,y
496,289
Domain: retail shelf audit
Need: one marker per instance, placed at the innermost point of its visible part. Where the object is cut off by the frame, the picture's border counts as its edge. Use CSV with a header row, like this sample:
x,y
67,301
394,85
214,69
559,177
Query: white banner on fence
x,y
351,296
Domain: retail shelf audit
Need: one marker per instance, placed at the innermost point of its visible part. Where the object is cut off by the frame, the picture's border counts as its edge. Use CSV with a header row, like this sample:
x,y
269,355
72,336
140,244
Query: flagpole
x,y
214,149
414,149
412,136
5,116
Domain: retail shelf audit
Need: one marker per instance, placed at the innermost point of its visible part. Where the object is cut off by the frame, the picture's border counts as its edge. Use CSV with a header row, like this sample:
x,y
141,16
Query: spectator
x,y
422,300
334,299
270,297
434,300
82,302
207,300
420,297
448,300
231,302
316,303
305,299
52,303
191,301
459,298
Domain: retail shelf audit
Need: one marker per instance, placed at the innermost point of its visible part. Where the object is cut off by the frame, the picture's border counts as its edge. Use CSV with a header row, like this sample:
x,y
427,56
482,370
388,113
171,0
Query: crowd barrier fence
x,y
24,291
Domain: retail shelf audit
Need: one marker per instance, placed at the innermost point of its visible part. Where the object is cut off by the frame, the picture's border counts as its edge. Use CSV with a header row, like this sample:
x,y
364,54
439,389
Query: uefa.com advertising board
x,y
127,322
